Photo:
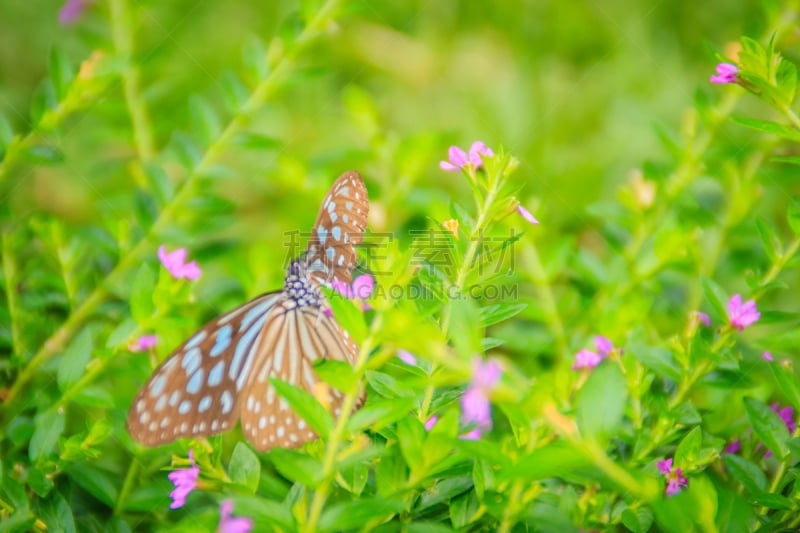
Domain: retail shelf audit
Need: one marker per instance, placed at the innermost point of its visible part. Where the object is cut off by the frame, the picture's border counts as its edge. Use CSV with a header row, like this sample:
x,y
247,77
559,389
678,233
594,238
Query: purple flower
x,y
726,73
475,406
526,214
431,422
786,414
586,359
741,314
459,159
232,524
71,11
733,447
145,342
175,263
604,345
406,357
185,481
768,357
702,318
675,477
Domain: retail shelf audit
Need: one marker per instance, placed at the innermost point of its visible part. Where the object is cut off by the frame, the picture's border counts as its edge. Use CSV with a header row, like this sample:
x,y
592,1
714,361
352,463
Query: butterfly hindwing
x,y
291,343
340,225
196,390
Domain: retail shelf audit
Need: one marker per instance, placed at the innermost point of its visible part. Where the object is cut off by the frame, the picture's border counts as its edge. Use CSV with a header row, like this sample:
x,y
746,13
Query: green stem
x,y
121,25
14,311
336,437
127,485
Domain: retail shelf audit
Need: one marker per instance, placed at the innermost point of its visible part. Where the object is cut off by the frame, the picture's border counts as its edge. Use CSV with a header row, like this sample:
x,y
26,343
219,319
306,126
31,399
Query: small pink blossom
x,y
733,447
741,314
768,357
524,213
431,422
475,434
475,406
185,481
71,11
703,318
145,342
176,265
726,73
586,359
406,357
604,345
362,287
675,477
459,159
232,524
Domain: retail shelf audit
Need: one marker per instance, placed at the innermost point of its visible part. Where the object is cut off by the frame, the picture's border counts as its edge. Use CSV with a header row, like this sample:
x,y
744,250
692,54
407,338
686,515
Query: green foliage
x,y
140,134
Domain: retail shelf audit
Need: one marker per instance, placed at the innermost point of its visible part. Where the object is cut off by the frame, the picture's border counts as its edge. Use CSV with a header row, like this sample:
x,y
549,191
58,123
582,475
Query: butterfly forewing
x,y
292,341
196,390
340,225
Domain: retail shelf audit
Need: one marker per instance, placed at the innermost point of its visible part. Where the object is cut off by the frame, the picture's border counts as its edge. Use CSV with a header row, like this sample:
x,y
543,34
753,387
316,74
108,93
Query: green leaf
x,y
357,514
72,364
378,414
465,329
637,520
142,306
256,141
254,57
746,472
688,450
774,501
161,186
791,160
6,133
61,72
348,314
306,406
96,482
44,100
659,360
716,296
296,466
49,427
411,438
793,216
768,426
185,150
492,314
205,122
234,91
767,126
337,374
121,333
56,513
39,482
558,458
601,402
245,468
769,239
786,81
788,383
268,515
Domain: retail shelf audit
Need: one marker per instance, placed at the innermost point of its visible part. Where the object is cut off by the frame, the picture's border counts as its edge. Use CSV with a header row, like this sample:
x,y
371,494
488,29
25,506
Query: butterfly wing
x,y
196,390
340,225
293,339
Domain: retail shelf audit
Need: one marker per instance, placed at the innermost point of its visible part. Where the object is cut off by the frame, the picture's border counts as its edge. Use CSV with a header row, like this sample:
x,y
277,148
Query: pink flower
x,y
741,314
145,342
726,73
232,524
526,214
675,477
702,318
786,414
175,263
768,357
406,357
361,288
185,481
431,422
475,434
603,345
71,11
586,359
459,159
475,406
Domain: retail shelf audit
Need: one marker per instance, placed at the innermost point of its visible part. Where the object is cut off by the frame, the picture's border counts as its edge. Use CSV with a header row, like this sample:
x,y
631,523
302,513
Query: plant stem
x,y
14,312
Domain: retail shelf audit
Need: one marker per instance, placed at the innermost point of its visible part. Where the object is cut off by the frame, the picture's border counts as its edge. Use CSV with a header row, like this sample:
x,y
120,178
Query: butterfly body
x,y
222,373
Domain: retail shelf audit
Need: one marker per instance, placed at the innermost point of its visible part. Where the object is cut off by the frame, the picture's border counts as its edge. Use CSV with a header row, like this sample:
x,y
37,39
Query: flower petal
x,y
363,286
526,214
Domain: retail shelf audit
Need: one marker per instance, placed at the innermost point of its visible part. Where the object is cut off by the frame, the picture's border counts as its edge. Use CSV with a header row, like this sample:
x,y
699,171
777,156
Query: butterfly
x,y
222,373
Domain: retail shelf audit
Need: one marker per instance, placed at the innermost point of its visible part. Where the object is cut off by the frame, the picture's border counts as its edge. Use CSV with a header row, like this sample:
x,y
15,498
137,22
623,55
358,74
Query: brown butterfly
x,y
222,372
